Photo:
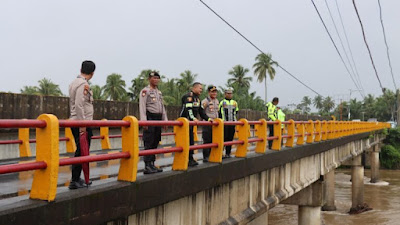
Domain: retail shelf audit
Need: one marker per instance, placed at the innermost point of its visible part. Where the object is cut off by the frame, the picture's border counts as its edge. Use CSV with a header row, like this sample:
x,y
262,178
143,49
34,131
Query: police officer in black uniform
x,y
191,106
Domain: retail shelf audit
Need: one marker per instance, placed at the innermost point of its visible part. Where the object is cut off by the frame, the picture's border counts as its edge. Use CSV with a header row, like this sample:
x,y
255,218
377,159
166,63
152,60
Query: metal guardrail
x,y
47,126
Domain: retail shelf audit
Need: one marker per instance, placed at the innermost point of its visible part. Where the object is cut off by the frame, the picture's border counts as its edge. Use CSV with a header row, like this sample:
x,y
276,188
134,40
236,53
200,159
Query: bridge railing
x,y
47,126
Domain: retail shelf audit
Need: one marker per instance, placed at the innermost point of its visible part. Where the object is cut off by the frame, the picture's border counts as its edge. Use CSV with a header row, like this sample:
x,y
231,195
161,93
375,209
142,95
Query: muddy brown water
x,y
383,197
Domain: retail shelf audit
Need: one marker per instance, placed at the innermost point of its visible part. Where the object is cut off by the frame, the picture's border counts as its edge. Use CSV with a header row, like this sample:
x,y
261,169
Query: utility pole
x,y
340,109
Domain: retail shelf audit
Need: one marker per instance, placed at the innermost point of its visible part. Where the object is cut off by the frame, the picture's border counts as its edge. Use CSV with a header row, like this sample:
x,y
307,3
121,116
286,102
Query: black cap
x,y
154,73
212,88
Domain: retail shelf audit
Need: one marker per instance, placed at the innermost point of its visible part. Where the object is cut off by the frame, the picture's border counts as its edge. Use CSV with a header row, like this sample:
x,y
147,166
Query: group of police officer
x,y
151,107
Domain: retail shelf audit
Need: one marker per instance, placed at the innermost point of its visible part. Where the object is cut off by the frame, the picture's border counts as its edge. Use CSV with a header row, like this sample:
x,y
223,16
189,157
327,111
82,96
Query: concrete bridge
x,y
238,190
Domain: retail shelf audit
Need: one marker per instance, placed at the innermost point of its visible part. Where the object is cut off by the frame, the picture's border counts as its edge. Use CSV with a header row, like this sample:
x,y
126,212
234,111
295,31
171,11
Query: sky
x,y
50,39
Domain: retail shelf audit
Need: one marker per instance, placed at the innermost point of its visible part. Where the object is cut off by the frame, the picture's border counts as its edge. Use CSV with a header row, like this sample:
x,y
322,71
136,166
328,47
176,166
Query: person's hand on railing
x,y
210,120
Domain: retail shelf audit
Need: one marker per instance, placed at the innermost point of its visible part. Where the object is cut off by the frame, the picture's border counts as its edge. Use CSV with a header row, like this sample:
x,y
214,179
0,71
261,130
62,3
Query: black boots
x,y
150,168
78,184
192,163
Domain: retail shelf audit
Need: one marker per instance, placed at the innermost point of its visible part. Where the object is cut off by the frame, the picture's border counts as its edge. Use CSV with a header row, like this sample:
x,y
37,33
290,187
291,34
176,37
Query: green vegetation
x,y
390,153
46,87
264,64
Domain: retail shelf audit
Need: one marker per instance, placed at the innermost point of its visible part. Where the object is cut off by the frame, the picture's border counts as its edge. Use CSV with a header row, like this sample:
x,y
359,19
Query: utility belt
x,y
153,116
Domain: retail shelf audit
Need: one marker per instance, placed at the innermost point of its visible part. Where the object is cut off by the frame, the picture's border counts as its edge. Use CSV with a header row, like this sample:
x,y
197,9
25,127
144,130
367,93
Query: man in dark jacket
x,y
191,107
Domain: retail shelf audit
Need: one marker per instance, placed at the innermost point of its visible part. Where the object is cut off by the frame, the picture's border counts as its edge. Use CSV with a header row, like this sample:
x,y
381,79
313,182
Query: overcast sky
x,y
51,38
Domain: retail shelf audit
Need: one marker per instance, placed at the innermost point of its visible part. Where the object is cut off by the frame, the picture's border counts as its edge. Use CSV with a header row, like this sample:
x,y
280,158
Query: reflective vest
x,y
281,117
271,111
228,109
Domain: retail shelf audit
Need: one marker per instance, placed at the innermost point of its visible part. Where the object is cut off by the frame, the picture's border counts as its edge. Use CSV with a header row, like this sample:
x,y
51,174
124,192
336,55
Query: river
x,y
383,197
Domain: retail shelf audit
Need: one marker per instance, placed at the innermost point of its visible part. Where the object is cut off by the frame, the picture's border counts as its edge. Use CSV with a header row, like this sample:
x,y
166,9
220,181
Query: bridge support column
x,y
309,215
375,165
329,190
357,187
309,201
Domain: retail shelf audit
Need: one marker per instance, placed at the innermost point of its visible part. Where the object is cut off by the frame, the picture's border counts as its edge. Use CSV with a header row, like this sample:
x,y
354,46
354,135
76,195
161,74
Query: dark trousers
x,y
151,136
207,138
191,139
77,168
229,133
271,134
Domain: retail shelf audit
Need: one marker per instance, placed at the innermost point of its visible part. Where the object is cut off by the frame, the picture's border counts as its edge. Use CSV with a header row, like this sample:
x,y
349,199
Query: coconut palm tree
x,y
305,103
239,79
317,102
97,92
264,64
46,87
30,90
328,104
115,87
186,81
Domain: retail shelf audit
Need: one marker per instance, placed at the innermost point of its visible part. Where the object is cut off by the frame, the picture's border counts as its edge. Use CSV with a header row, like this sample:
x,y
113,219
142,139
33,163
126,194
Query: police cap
x,y
154,74
211,88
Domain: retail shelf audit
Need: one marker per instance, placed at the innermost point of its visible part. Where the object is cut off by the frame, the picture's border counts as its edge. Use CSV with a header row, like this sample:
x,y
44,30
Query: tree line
x,y
116,89
382,108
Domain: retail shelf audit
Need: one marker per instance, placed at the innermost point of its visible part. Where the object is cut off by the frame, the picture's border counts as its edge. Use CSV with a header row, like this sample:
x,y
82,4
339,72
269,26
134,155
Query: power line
x,y
341,43
337,50
257,47
387,47
348,45
366,44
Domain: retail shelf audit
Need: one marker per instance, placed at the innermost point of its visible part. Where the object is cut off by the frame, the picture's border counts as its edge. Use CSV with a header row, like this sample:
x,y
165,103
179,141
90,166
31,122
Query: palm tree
x,y
46,87
328,104
305,102
264,64
115,87
30,90
317,102
239,76
186,80
97,92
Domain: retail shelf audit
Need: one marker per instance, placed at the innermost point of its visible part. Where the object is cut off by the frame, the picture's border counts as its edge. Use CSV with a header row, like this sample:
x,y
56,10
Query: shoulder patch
x,y
204,105
144,92
86,89
189,99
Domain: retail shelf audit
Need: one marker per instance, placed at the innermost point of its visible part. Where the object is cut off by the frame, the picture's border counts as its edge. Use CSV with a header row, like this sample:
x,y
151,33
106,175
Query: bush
x,y
390,157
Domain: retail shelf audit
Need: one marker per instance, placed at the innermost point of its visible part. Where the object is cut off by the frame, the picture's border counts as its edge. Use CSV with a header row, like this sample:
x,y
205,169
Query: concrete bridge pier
x,y
329,191
309,201
357,185
375,165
